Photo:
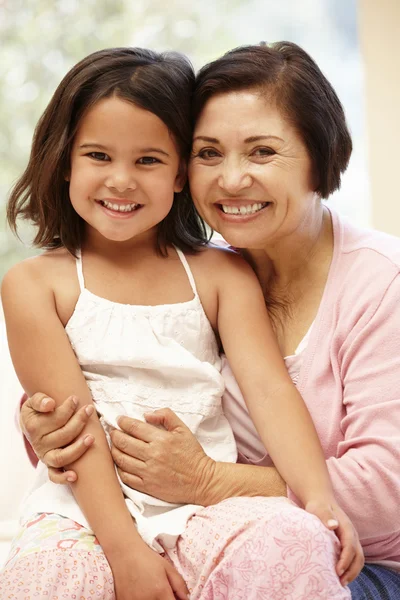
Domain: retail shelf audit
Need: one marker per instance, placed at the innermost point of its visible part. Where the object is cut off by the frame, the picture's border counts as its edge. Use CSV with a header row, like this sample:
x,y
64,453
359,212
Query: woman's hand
x,y
162,458
146,575
53,433
351,559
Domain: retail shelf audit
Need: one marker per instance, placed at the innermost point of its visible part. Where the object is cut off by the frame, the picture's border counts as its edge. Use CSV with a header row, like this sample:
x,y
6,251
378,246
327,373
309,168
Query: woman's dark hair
x,y
159,83
290,78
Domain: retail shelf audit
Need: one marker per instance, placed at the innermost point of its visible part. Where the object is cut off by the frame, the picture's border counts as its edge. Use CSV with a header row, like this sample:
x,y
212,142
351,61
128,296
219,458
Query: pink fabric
x,y
240,549
350,381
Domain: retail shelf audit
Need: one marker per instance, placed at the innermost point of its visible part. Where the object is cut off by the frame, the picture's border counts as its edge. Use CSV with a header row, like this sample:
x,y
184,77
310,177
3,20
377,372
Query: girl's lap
x,y
258,547
53,553
239,546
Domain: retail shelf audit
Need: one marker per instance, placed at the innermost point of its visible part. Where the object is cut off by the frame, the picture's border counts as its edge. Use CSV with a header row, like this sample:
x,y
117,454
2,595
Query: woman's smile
x,y
257,172
241,209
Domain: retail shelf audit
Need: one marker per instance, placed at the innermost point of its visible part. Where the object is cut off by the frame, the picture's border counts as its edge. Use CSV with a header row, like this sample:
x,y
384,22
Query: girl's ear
x,y
180,177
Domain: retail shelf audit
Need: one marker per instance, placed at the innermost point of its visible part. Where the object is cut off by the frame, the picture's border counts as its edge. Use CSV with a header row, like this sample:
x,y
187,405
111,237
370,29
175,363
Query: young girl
x,y
123,310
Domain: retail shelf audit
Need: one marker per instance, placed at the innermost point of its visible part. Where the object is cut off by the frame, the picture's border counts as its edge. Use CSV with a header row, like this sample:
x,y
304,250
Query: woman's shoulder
x,y
375,248
366,269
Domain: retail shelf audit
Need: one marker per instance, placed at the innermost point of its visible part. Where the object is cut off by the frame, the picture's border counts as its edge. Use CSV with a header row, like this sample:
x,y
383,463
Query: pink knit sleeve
x,y
366,471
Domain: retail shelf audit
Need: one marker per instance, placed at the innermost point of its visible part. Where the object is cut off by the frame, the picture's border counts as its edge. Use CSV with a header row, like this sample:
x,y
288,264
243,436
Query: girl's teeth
x,y
243,210
119,207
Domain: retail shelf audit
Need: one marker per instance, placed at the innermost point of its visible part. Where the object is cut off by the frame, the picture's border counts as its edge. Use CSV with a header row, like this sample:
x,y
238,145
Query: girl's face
x,y
125,169
250,174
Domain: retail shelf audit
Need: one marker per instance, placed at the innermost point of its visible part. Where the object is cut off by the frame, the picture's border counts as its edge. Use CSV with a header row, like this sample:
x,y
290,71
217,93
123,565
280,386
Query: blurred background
x,y
355,43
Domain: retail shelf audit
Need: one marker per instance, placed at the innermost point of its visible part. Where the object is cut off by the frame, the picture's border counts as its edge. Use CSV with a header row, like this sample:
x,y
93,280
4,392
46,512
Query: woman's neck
x,y
299,259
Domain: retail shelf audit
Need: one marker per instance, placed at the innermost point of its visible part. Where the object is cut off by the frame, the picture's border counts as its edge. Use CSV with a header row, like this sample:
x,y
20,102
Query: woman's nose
x,y
234,178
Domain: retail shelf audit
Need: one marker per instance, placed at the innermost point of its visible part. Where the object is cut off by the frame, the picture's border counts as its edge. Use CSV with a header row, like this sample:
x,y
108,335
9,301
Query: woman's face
x,y
250,174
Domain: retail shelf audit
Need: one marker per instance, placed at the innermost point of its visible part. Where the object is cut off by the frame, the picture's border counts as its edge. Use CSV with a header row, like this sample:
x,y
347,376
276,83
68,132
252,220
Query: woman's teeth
x,y
119,207
243,210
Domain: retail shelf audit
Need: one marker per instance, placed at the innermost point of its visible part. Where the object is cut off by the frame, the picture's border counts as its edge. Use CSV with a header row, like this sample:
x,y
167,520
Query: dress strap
x,y
187,269
79,270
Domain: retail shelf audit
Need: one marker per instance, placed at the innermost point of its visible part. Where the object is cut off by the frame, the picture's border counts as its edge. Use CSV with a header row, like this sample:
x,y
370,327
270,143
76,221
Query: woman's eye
x,y
148,160
100,156
206,154
263,152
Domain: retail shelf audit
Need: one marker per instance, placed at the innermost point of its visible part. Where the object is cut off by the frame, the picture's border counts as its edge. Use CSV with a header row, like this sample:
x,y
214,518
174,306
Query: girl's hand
x,y
166,462
53,433
146,575
351,559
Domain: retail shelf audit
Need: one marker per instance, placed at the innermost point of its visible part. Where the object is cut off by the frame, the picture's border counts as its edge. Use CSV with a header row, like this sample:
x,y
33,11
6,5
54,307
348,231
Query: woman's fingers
x,y
61,477
37,420
126,463
165,417
59,458
69,431
139,429
132,481
128,445
42,403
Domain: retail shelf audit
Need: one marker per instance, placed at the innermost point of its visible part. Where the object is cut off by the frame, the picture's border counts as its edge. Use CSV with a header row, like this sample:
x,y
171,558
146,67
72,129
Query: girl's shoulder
x,y
224,261
41,272
217,255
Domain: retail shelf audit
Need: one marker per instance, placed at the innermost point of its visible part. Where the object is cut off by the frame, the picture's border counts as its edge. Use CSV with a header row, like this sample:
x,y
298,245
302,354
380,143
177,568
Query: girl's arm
x,y
44,360
275,406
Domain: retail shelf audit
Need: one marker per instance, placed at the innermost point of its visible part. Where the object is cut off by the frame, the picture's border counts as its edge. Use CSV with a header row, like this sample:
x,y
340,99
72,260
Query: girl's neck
x,y
297,260
145,243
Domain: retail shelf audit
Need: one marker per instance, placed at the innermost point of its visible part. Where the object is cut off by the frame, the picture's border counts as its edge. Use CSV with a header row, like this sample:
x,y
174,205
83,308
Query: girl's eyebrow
x,y
92,145
249,140
101,147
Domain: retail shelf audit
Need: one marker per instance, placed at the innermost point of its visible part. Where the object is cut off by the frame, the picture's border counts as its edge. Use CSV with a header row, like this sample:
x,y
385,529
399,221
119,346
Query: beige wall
x,y
379,29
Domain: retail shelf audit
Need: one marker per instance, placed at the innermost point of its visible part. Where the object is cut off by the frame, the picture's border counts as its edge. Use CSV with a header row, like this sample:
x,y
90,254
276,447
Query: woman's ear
x,y
181,177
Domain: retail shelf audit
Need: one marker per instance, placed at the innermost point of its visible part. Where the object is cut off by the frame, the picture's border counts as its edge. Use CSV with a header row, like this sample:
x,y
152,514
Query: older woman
x,y
270,142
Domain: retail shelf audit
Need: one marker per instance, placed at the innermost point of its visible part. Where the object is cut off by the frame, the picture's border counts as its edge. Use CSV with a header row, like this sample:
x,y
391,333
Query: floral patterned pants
x,y
240,549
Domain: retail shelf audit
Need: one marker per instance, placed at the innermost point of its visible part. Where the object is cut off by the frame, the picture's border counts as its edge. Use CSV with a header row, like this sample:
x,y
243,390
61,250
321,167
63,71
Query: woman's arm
x,y
366,470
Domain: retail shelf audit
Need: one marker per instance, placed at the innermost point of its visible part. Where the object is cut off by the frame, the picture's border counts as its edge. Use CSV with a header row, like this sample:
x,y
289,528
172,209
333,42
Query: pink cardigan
x,y
350,381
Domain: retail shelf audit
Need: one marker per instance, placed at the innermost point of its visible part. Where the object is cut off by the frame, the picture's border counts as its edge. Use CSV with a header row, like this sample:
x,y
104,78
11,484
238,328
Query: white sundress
x,y
137,359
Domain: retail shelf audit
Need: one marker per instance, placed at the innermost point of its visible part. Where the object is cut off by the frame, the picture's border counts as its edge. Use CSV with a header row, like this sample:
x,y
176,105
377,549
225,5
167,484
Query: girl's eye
x,y
263,152
148,160
206,154
100,156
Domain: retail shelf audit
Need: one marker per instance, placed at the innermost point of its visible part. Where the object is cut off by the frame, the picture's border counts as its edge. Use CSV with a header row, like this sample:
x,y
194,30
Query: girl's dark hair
x,y
289,77
160,83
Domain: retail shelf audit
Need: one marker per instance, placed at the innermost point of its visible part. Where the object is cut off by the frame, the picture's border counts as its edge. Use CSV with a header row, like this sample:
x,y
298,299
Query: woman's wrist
x,y
227,480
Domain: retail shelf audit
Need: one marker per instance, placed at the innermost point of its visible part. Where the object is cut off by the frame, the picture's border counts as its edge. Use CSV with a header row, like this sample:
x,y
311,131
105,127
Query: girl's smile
x,y
125,168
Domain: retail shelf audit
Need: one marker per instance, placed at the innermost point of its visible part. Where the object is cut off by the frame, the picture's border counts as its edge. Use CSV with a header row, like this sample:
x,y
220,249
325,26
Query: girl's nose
x,y
121,178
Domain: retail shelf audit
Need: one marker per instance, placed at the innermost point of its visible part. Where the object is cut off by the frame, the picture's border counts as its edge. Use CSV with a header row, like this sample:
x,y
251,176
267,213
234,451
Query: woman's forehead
x,y
243,113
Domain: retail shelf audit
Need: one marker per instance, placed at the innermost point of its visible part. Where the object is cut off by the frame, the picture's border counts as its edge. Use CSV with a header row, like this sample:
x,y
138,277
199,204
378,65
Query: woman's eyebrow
x,y
258,138
249,140
205,138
